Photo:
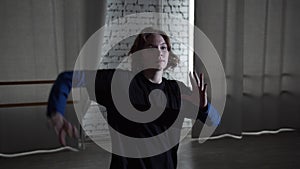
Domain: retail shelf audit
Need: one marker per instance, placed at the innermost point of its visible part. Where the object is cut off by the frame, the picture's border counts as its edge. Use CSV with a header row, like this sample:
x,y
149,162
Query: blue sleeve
x,y
209,115
61,88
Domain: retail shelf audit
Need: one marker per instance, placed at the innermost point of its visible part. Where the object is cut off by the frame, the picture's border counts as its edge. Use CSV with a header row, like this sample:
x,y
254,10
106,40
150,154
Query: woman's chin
x,y
156,66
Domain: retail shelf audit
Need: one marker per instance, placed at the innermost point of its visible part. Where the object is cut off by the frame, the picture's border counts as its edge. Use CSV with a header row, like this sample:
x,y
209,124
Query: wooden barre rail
x,y
32,82
10,105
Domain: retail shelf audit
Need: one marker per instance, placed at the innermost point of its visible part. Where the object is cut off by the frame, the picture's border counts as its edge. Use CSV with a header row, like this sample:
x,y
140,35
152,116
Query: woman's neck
x,y
153,75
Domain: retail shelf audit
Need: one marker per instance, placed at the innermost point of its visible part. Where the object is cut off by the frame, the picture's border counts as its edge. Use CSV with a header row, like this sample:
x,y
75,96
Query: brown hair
x,y
140,41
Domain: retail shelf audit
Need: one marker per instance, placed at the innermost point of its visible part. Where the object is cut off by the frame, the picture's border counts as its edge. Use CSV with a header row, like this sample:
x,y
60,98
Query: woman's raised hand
x,y
197,83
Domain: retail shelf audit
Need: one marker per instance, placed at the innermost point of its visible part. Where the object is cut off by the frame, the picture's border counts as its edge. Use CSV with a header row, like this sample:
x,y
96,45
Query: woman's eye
x,y
163,48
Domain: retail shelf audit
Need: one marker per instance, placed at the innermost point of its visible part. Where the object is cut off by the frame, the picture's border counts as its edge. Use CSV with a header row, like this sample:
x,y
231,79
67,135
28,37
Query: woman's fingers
x,y
63,128
193,81
202,81
198,85
199,81
75,132
202,89
205,87
67,129
62,137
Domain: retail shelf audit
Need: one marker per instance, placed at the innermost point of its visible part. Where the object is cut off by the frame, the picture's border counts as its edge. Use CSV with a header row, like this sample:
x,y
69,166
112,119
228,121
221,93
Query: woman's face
x,y
155,53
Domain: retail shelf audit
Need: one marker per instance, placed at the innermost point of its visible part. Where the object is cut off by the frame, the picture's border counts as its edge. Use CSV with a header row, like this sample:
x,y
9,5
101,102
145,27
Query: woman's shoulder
x,y
176,83
112,71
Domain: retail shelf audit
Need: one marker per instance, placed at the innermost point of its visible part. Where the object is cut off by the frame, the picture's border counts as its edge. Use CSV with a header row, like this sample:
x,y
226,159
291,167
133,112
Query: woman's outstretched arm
x,y
58,99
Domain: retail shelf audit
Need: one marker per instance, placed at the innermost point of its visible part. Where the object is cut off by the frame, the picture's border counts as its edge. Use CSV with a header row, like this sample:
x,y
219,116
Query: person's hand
x,y
63,128
198,85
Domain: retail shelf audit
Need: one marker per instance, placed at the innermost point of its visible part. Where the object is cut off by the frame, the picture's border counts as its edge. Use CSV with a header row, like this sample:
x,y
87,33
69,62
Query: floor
x,y
279,151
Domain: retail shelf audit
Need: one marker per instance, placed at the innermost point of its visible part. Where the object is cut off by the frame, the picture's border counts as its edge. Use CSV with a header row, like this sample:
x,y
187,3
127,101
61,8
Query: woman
x,y
151,56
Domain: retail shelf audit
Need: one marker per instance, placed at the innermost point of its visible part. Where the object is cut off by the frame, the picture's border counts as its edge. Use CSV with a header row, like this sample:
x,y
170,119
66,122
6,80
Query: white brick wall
x,y
179,39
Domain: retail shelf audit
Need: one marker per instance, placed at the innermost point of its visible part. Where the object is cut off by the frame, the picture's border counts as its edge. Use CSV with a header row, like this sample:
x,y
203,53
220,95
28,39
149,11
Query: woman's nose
x,y
156,50
159,51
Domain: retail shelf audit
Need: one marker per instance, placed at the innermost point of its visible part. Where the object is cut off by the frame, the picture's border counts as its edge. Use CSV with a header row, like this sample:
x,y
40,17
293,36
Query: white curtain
x,y
258,43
